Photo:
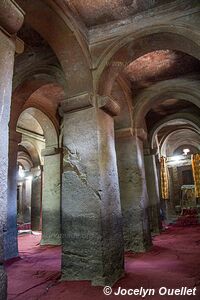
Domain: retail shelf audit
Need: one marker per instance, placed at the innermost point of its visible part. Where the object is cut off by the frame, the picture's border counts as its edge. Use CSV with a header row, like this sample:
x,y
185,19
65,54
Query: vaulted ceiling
x,y
29,123
96,12
184,137
160,65
166,108
141,73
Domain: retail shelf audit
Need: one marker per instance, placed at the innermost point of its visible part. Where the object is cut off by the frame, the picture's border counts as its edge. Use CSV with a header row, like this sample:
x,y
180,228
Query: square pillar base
x,y
3,284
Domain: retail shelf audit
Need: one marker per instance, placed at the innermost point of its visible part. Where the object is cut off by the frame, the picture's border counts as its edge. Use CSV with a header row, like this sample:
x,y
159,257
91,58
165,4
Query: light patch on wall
x,y
21,172
177,158
186,151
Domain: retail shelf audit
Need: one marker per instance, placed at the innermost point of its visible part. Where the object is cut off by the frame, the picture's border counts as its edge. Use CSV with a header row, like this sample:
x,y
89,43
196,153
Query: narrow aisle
x,y
173,262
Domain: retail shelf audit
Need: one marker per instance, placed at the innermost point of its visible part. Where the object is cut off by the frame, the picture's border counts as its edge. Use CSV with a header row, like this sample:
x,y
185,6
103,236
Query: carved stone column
x,y
134,198
36,198
7,51
153,193
20,203
10,235
91,213
51,220
27,191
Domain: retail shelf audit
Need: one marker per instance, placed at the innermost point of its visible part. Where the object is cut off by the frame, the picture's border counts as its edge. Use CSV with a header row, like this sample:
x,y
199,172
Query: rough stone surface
x,y
51,201
83,229
103,11
134,199
11,16
175,186
36,202
91,213
10,242
153,193
26,191
6,72
3,284
160,65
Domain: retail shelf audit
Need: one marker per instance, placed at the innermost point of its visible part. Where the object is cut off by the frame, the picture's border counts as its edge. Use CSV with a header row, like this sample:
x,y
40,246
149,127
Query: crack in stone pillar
x,y
134,198
51,220
92,235
153,193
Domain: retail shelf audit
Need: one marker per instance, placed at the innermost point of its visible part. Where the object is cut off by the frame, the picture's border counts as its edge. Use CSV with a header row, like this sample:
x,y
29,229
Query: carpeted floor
x,y
173,262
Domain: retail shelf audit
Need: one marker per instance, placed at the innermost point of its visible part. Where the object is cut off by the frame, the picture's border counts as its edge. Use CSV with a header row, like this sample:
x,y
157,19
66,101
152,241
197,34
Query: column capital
x,y
150,152
36,171
76,103
124,133
11,16
108,104
50,151
88,100
131,132
140,133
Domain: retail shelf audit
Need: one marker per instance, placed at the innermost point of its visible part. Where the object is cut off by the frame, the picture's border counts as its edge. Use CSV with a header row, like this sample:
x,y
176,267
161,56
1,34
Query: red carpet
x,y
188,217
173,262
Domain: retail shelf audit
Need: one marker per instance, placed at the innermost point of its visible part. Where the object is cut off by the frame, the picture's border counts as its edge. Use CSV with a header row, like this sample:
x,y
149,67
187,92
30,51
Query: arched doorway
x,y
39,174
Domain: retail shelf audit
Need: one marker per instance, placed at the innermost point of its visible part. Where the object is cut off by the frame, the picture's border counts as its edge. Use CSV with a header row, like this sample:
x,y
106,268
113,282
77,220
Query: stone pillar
x,y
176,186
51,214
171,206
27,189
10,242
153,193
91,214
20,199
36,198
3,283
134,198
7,51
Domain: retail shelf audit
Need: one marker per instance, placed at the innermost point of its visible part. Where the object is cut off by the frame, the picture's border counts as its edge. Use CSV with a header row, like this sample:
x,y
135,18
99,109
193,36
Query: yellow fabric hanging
x,y
164,178
196,173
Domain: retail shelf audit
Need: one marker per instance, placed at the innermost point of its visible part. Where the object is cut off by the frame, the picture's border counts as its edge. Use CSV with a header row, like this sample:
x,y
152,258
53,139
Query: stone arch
x,y
61,38
179,128
192,149
140,42
191,142
29,95
181,141
51,176
50,133
184,89
25,89
24,160
42,73
32,151
186,118
29,185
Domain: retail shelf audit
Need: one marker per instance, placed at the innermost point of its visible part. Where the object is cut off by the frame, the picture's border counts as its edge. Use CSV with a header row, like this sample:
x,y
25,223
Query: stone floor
x,y
173,262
